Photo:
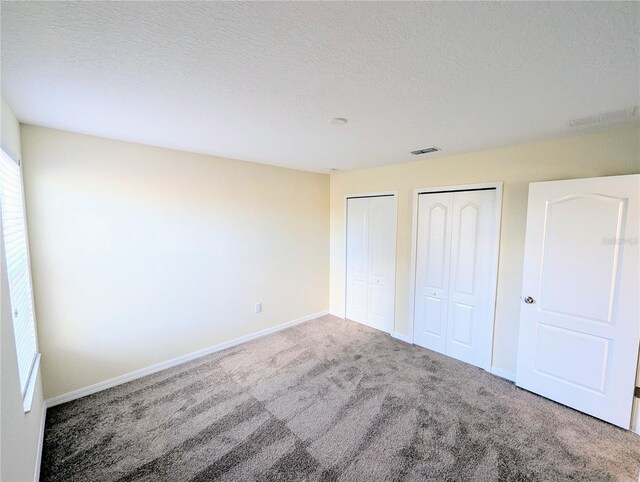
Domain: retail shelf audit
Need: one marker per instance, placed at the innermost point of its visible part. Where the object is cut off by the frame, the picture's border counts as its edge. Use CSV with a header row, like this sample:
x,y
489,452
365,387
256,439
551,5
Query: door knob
x,y
529,300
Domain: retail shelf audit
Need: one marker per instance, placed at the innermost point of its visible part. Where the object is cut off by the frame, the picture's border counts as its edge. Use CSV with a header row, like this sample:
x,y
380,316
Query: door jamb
x,y
395,244
495,238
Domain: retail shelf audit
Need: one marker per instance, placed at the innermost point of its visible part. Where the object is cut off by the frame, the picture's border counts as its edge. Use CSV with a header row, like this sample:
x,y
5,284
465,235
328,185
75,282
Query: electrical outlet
x,y
258,307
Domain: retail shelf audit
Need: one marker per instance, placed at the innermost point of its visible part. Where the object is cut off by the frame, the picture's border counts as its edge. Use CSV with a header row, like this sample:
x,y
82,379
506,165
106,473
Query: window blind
x,y
17,262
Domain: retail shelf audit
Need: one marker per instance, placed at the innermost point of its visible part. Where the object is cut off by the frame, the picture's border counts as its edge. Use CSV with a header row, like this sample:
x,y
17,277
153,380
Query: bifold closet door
x,y
454,265
432,270
470,328
371,247
357,259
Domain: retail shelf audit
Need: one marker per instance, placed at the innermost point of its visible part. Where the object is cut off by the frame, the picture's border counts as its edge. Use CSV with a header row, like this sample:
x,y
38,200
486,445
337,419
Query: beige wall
x,y
600,154
142,254
20,432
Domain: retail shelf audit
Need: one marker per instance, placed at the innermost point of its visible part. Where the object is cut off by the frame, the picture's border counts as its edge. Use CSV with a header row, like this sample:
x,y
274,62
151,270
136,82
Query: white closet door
x,y
454,272
579,328
432,270
371,265
382,253
357,259
469,327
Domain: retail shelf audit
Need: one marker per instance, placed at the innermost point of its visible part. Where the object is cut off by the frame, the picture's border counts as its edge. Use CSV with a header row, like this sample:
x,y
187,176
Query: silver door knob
x,y
529,300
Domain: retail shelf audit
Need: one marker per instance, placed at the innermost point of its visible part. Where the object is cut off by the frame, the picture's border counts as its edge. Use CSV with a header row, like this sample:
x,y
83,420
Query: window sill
x,y
27,400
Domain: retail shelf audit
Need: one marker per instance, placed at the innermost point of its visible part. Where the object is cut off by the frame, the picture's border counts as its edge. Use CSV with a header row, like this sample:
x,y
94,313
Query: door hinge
x,y
637,392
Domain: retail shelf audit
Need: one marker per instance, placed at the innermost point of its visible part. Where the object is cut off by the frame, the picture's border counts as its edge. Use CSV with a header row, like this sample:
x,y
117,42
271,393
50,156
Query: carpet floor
x,y
329,400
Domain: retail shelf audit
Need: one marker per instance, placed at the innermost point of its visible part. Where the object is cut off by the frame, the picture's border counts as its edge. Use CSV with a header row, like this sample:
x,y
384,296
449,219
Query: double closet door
x,y
455,274
371,254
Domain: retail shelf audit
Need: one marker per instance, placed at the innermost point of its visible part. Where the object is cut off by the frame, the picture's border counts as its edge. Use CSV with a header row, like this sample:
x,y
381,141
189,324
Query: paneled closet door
x,y
453,274
469,327
357,259
381,262
370,264
432,271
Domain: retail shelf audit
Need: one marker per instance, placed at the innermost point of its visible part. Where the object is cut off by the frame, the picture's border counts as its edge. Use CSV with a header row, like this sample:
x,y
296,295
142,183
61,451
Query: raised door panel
x,y
554,343
466,244
576,246
579,337
432,270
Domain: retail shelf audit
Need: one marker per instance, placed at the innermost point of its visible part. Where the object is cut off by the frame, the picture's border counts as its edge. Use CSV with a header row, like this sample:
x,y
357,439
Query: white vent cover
x,y
606,118
426,150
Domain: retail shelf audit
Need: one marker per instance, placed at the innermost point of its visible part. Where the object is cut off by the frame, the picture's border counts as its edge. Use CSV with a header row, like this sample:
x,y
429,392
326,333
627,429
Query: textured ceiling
x,y
260,81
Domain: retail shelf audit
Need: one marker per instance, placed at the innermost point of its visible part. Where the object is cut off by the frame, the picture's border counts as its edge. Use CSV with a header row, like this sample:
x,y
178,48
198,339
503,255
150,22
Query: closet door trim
x,y
495,250
393,194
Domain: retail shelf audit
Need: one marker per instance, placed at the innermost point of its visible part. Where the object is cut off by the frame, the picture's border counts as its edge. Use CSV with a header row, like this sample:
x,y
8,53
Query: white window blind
x,y
17,262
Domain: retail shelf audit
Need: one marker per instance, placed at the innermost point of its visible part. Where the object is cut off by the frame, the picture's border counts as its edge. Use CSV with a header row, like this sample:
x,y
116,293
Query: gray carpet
x,y
329,400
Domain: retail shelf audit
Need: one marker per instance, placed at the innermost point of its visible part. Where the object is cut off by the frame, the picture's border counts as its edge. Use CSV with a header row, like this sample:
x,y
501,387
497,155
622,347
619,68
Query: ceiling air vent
x,y
426,150
606,118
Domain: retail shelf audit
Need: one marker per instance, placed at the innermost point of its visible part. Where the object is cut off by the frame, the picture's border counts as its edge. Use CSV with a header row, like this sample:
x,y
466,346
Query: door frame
x,y
394,194
495,253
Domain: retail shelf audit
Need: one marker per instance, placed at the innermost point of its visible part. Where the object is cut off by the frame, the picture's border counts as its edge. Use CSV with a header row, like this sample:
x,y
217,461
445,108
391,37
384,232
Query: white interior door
x,y
579,323
432,271
470,327
357,259
455,269
371,253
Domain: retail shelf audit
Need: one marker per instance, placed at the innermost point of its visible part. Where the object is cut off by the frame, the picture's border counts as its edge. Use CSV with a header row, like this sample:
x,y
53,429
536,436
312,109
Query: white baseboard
x,y
127,377
401,337
507,375
335,313
43,418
